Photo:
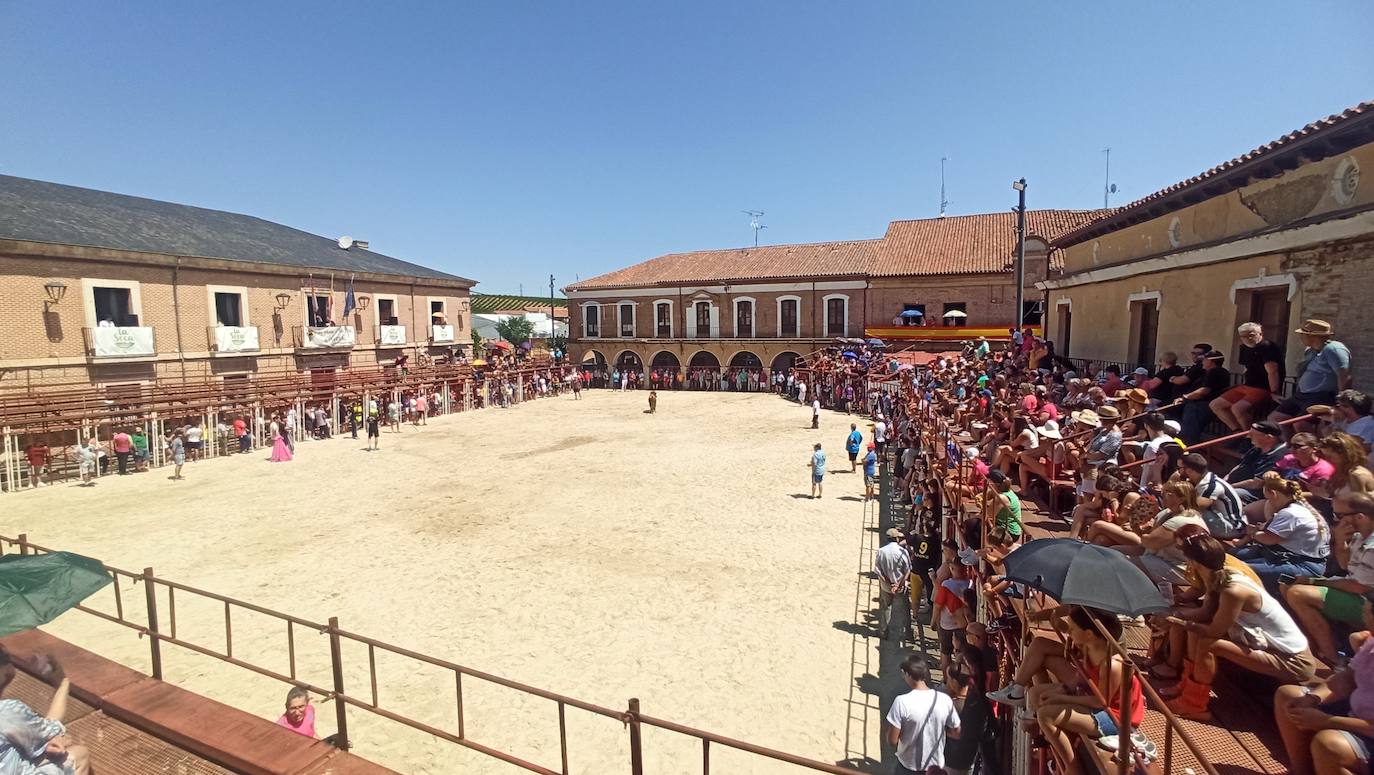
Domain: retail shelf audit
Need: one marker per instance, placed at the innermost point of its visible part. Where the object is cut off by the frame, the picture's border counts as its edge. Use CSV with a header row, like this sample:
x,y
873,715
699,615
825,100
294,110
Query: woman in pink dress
x,y
280,452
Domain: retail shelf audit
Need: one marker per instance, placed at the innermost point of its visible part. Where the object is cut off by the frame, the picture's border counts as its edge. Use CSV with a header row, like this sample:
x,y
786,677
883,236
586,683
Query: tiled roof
x,y
966,244
769,262
38,211
1319,140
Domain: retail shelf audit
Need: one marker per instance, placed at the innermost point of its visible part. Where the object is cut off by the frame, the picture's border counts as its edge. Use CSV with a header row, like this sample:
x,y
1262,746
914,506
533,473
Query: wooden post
x,y
1124,745
636,743
154,642
340,706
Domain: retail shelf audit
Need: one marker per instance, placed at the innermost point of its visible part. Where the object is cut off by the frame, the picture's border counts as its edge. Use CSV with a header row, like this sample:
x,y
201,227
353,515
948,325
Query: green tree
x,y
476,342
516,330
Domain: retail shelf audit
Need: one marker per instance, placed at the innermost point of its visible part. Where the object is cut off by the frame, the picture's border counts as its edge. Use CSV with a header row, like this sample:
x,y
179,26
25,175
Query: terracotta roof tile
x,y
1332,123
966,244
768,262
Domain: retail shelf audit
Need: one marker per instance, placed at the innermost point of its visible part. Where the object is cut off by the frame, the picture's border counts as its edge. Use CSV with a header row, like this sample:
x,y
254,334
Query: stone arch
x,y
704,360
745,359
785,360
594,358
629,359
665,360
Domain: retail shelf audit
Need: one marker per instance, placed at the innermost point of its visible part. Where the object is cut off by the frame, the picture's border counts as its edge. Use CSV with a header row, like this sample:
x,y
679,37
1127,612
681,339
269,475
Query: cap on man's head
x,y
895,534
871,445
996,477
1267,427
1215,355
1141,370
1173,426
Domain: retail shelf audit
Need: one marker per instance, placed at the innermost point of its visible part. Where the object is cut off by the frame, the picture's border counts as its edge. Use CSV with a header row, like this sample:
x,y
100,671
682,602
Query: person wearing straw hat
x,y
1102,450
1324,371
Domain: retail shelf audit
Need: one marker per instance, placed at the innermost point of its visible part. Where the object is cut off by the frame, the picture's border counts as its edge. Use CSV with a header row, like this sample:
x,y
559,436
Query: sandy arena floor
x,y
583,547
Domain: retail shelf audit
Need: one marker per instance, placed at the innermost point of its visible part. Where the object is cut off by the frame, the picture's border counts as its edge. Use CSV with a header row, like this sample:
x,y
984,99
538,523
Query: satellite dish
x,y
1113,188
345,242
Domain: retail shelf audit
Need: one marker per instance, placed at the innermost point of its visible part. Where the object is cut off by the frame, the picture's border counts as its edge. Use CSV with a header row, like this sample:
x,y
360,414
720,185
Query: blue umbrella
x,y
913,313
849,355
876,343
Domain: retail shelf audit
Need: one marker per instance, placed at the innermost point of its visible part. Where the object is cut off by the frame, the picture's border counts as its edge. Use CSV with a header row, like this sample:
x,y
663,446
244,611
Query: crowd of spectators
x,y
1257,541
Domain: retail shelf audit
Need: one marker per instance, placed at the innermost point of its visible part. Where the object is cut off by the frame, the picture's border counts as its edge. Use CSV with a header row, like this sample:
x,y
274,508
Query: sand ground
x,y
584,547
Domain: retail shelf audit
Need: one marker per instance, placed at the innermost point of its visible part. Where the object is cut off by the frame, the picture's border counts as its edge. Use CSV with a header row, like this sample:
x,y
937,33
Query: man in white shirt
x,y
880,435
815,413
919,721
892,566
801,392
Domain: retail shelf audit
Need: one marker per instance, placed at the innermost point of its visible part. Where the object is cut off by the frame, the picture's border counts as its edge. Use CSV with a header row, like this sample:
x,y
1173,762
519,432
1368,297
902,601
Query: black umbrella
x,y
1079,573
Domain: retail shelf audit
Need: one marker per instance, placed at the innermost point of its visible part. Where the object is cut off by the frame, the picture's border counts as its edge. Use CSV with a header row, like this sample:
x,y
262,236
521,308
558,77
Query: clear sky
x,y
512,139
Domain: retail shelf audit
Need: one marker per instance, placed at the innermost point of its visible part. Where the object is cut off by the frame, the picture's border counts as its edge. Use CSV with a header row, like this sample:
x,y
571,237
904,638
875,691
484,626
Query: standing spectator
x,y
194,440
1325,371
88,460
1263,363
40,457
393,415
141,455
241,432
919,721
892,566
123,447
300,714
374,431
177,447
421,409
870,473
1197,401
880,435
852,444
817,466
815,413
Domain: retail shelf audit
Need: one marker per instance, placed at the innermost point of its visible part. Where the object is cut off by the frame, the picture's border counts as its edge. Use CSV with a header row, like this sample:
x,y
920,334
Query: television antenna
x,y
754,216
944,203
1108,187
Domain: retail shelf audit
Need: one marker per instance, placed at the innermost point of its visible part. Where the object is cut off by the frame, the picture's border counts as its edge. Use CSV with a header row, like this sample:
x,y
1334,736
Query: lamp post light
x,y
363,302
55,291
283,299
1020,187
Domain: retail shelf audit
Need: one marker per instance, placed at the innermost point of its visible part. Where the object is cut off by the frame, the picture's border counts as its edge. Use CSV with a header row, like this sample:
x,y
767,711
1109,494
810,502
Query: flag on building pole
x,y
349,302
329,302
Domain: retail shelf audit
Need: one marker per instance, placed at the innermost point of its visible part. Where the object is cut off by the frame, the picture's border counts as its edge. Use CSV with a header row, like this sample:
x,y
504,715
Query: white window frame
x,y
671,321
713,317
825,314
88,286
1283,280
753,316
241,290
443,307
306,293
1064,301
377,310
781,299
620,323
591,308
1145,296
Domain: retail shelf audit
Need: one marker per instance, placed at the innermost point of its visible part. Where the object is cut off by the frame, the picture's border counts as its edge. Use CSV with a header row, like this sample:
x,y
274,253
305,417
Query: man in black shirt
x,y
1215,381
1267,449
1263,362
1162,387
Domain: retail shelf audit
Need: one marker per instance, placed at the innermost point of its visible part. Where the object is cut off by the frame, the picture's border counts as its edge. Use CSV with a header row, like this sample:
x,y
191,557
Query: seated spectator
x,y
31,744
1325,371
1267,448
1221,505
1163,386
1263,363
1347,458
1215,381
1242,624
300,714
1154,546
1023,438
1157,435
1353,409
1328,729
1294,540
1319,602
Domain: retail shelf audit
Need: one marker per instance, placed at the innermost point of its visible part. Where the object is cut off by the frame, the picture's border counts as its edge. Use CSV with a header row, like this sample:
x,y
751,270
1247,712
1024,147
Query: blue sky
x,y
509,140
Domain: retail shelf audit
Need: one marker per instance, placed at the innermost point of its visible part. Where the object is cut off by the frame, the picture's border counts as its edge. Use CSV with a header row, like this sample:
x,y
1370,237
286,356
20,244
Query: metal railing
x,y
151,625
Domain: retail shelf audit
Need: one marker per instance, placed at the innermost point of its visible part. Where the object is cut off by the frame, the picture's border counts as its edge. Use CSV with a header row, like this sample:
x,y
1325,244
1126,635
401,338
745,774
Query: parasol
x,y
954,313
37,588
477,362
913,313
1078,573
876,343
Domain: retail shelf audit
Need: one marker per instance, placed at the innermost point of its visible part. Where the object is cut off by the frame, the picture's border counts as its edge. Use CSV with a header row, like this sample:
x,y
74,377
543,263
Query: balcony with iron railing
x,y
114,342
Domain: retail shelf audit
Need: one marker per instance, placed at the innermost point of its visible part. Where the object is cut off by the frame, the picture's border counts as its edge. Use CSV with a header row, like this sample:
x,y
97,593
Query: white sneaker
x,y
1012,694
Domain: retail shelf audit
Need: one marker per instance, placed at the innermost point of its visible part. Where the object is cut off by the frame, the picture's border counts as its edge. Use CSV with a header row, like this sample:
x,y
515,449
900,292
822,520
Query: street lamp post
x,y
1020,187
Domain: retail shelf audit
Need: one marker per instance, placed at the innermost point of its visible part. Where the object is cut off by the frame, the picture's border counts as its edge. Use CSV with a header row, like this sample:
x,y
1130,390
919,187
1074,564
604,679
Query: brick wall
x,y
1336,280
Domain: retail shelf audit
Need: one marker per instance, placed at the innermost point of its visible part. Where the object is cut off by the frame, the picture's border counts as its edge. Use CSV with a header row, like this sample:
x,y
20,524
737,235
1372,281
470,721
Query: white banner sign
x,y
392,336
236,339
330,336
122,342
442,333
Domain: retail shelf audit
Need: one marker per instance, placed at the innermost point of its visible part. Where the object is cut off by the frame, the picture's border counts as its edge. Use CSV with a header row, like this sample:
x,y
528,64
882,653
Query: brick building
x,y
761,307
109,289
1280,234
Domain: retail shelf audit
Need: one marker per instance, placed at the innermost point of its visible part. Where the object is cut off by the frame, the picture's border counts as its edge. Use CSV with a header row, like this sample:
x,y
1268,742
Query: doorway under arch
x,y
665,361
594,359
745,360
704,360
785,361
